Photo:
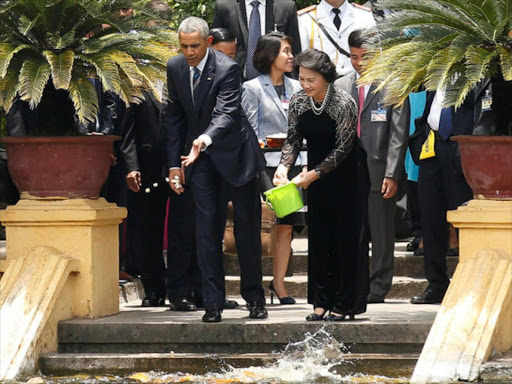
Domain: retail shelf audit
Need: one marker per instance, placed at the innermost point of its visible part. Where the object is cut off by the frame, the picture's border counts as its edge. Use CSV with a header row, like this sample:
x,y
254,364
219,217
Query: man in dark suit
x,y
204,118
441,183
143,151
265,15
383,132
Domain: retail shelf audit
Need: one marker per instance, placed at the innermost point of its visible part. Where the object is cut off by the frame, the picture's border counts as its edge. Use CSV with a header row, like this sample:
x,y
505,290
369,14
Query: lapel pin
x,y
209,78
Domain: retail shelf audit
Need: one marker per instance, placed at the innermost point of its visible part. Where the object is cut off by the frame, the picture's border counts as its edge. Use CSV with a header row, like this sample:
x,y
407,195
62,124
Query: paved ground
x,y
393,311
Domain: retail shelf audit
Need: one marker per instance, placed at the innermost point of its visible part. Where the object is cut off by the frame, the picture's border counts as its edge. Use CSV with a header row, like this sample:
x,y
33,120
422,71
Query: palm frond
x,y
106,69
61,66
128,67
25,24
85,100
34,75
506,63
130,94
60,42
9,85
7,52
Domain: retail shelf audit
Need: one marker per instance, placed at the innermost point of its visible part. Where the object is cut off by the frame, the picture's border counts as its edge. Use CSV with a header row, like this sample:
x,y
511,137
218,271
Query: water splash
x,y
311,360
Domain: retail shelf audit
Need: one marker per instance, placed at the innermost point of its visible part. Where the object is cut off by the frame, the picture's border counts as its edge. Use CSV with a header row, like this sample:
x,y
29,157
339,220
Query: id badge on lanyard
x,y
486,101
379,115
285,102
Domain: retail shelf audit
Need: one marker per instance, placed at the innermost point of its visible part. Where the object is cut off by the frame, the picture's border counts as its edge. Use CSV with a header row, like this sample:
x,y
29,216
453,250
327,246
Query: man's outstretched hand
x,y
195,151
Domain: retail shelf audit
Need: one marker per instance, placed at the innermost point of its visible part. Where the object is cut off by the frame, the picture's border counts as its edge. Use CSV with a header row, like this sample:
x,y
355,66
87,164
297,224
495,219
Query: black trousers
x,y
413,208
211,194
145,233
183,277
442,187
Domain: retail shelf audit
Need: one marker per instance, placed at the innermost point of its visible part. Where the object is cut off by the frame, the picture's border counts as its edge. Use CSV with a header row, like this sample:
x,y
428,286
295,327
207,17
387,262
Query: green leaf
x,y
60,42
7,52
25,24
85,99
106,70
33,78
478,61
506,63
9,86
61,65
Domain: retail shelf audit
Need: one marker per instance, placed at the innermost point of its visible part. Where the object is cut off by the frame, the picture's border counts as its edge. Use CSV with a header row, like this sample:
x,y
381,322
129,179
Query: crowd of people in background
x,y
263,69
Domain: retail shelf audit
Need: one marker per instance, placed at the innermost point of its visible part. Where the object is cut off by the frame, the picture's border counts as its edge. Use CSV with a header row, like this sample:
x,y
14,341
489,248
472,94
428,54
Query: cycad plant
x,y
49,47
450,44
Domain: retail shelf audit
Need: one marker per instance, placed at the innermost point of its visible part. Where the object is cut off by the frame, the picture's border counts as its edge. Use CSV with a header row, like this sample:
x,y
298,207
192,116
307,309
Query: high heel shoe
x,y
332,317
282,300
315,316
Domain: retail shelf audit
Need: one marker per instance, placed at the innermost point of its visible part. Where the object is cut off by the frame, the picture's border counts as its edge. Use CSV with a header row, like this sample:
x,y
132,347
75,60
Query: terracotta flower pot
x,y
59,167
487,165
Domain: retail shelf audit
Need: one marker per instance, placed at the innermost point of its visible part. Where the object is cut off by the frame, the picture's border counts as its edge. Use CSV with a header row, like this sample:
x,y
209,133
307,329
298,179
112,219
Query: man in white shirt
x,y
335,19
245,18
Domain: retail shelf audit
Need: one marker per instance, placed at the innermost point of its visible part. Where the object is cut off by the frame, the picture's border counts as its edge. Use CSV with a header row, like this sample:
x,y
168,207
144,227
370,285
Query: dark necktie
x,y
445,123
195,82
252,41
337,19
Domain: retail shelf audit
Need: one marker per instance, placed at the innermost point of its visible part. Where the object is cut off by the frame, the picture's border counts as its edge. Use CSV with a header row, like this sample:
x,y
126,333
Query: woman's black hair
x,y
267,50
220,35
317,61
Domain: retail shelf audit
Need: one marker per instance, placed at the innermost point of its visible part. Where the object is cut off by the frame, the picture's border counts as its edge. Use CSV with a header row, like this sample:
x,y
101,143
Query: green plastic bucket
x,y
284,200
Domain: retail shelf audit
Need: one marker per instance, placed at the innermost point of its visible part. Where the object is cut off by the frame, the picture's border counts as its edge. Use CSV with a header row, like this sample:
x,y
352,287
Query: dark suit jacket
x,y
280,15
218,113
143,140
468,119
385,142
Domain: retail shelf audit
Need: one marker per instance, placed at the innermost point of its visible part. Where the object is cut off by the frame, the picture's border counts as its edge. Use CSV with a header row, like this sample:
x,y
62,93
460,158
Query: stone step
x,y
395,327
396,365
406,264
402,288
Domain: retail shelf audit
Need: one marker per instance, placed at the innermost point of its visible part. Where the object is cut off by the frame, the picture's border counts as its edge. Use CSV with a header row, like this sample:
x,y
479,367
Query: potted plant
x,y
453,44
51,54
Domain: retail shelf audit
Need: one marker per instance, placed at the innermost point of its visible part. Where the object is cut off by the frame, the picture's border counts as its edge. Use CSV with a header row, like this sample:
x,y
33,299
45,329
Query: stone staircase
x,y
409,274
386,340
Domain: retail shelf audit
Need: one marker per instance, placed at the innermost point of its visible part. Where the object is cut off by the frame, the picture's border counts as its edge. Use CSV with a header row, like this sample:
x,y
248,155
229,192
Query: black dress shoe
x,y
153,301
212,316
230,304
419,252
453,252
333,317
414,244
257,311
315,316
428,297
374,299
182,305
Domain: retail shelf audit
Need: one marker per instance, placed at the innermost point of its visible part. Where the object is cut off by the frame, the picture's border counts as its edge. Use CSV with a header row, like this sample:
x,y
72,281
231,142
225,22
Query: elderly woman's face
x,y
313,83
284,60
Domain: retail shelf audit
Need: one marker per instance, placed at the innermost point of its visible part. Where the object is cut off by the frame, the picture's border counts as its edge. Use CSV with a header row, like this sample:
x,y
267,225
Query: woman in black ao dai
x,y
338,185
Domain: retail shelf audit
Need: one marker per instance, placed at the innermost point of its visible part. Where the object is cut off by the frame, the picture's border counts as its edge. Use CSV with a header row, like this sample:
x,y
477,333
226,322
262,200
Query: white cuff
x,y
207,140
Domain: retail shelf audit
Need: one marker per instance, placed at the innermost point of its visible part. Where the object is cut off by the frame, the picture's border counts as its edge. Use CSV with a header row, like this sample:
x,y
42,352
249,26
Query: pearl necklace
x,y
318,110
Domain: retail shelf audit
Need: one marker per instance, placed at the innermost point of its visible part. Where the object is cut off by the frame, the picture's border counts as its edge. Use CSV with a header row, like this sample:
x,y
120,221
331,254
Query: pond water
x,y
312,360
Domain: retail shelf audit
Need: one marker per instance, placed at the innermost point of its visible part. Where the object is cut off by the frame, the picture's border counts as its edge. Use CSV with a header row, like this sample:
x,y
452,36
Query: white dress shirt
x,y
435,110
261,10
206,139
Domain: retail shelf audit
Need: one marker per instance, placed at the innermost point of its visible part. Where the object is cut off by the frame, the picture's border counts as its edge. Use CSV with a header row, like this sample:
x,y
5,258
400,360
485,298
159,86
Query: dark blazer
x,y
143,139
234,151
468,119
385,142
280,15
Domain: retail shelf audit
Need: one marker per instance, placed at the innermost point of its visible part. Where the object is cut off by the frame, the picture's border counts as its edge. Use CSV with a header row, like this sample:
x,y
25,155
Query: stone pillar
x,y
474,322
83,229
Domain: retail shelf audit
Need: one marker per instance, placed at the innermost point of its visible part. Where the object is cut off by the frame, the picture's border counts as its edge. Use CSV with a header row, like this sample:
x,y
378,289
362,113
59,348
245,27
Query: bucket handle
x,y
269,204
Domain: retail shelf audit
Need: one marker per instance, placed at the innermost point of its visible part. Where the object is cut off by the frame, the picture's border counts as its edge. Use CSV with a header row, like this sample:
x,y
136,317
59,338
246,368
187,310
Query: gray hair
x,y
194,24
